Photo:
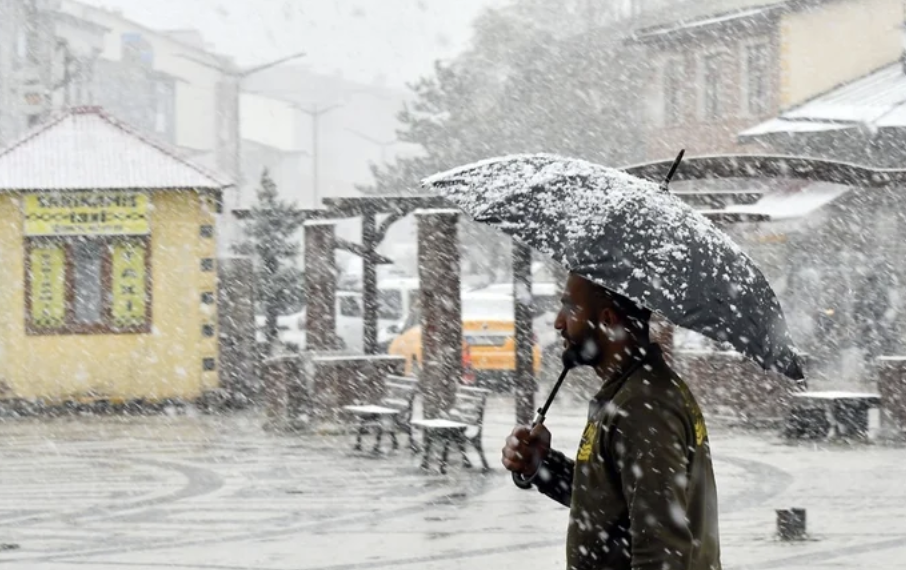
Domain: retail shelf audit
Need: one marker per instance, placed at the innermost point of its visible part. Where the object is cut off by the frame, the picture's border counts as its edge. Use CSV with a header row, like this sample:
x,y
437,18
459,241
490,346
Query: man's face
x,y
579,321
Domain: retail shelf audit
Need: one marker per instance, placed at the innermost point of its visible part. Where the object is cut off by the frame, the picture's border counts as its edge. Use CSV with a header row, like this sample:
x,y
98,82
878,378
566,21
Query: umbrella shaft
x,y
542,411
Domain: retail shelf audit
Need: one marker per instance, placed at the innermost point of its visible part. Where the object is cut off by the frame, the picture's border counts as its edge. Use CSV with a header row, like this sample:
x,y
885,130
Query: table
x,y
371,415
446,432
815,413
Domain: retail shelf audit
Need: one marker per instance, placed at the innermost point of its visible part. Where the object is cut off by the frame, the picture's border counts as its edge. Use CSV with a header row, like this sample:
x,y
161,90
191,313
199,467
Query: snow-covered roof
x,y
693,14
789,204
876,101
84,148
785,126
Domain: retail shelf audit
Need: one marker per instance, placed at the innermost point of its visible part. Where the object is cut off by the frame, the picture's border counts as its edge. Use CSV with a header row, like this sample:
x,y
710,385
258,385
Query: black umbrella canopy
x,y
629,236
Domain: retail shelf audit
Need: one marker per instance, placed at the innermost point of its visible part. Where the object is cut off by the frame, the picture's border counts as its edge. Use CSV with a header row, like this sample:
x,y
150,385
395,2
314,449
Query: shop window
x,y
87,286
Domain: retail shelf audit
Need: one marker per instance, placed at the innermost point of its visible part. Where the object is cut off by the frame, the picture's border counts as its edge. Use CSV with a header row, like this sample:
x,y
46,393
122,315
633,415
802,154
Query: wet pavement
x,y
219,493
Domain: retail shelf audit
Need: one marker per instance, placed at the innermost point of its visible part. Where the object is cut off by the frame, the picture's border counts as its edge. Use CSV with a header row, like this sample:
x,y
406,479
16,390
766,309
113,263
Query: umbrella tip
x,y
673,169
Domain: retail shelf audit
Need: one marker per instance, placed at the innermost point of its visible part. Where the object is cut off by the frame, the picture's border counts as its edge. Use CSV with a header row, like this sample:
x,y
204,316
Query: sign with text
x,y
91,212
128,284
47,267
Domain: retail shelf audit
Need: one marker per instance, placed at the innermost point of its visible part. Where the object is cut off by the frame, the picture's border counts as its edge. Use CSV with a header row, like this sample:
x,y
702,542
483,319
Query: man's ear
x,y
608,317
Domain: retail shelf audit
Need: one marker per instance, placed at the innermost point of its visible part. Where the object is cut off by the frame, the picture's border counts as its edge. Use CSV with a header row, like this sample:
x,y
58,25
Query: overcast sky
x,y
363,39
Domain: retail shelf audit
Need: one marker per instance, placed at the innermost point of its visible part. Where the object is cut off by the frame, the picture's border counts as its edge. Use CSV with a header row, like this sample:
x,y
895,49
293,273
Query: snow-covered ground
x,y
219,493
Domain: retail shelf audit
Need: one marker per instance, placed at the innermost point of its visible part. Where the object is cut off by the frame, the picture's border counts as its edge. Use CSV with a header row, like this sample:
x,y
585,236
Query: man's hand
x,y
525,449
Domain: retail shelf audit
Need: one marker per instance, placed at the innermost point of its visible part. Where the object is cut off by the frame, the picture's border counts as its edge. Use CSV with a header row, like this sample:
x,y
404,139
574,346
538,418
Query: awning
x,y
783,126
789,204
875,101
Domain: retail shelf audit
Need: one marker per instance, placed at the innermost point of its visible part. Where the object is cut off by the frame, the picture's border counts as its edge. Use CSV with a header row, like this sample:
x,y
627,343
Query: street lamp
x,y
382,144
315,113
238,75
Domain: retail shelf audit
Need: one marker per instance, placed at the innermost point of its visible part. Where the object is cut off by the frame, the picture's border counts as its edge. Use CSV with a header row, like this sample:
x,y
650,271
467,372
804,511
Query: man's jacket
x,y
641,490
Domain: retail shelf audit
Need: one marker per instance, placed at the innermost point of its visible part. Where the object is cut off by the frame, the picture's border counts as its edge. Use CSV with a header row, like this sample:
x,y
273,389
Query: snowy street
x,y
219,493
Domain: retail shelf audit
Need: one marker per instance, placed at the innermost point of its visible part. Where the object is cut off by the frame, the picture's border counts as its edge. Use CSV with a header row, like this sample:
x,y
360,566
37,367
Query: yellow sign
x,y
48,286
90,212
128,284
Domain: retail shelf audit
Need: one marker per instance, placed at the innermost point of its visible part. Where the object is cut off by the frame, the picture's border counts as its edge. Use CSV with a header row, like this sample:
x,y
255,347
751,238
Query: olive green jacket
x,y
641,490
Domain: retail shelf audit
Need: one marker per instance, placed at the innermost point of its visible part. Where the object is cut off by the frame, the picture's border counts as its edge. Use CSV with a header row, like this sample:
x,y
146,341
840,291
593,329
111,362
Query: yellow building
x,y
108,283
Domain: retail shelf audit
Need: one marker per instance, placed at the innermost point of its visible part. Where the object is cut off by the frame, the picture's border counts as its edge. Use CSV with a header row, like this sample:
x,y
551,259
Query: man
x,y
641,490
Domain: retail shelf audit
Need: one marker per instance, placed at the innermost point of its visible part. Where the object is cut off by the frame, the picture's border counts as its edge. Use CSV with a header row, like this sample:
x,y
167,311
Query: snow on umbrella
x,y
630,236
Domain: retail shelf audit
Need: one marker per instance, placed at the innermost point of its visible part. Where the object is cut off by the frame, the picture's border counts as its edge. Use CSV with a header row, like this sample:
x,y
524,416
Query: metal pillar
x,y
441,310
369,284
320,286
524,381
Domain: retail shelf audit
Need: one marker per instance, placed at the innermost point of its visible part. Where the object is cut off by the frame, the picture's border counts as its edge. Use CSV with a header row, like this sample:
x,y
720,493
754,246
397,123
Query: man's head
x,y
599,324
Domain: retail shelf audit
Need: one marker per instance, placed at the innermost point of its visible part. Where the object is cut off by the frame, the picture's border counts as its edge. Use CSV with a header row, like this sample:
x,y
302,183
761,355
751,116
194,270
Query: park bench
x,y
813,414
462,425
393,412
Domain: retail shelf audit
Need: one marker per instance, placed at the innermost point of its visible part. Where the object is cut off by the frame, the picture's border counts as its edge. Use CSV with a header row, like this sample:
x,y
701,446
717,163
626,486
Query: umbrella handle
x,y
517,477
570,360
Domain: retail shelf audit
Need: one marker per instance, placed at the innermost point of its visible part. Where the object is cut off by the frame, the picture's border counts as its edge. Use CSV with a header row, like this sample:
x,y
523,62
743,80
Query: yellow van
x,y
488,329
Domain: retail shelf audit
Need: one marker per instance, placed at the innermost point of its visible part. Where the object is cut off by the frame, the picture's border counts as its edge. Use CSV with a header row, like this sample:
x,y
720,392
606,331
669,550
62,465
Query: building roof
x,y
875,101
84,148
693,14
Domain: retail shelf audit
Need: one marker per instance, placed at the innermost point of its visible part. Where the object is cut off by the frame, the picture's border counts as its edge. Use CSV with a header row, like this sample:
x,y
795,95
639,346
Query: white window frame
x,y
745,109
676,62
702,91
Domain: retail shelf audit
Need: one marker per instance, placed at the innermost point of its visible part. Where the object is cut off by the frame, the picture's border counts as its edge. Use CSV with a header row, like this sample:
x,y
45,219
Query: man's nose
x,y
560,321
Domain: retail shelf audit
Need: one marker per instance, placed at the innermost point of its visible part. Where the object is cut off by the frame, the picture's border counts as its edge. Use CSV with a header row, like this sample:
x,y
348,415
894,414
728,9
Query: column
x,y
369,285
236,324
441,339
320,286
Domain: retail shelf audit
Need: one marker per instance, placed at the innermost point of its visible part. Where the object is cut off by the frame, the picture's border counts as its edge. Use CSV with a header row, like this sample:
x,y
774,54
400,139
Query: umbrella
x,y
633,237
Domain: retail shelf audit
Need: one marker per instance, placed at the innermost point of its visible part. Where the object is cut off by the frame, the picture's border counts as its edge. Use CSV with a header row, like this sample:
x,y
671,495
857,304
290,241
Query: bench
x,y
461,425
395,409
813,414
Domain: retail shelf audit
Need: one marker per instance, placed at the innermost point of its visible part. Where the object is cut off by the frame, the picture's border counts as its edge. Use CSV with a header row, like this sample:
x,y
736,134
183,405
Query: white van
x,y
395,297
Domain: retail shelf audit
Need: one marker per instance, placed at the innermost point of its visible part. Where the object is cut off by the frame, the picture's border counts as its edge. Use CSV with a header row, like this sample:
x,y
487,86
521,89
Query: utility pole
x,y
315,113
237,75
383,145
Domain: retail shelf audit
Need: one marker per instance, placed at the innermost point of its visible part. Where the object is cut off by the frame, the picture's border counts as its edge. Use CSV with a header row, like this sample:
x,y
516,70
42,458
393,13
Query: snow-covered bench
x,y
394,412
461,425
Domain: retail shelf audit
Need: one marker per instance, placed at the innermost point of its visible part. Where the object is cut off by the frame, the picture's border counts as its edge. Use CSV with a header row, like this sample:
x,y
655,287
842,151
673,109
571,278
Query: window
x,y
390,304
711,87
414,318
87,286
672,92
755,82
350,306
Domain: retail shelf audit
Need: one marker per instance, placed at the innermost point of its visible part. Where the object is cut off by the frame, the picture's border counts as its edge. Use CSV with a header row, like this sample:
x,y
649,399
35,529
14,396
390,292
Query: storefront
x,y
107,266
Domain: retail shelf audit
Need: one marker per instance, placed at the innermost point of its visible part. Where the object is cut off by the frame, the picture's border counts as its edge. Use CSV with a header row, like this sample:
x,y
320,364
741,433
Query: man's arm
x,y
554,478
650,448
